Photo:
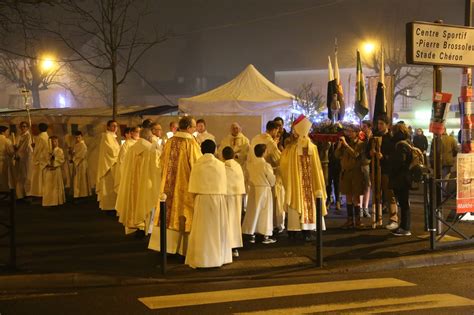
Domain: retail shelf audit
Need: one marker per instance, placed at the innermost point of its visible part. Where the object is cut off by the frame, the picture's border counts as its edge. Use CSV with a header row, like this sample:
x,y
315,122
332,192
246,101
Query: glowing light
x,y
369,47
47,64
62,101
422,117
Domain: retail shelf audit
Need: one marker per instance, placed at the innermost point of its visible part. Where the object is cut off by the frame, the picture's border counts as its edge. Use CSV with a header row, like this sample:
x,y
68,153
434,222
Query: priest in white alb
x,y
209,244
40,159
178,157
108,154
139,190
53,188
235,192
6,161
238,142
131,136
23,154
201,132
303,179
81,183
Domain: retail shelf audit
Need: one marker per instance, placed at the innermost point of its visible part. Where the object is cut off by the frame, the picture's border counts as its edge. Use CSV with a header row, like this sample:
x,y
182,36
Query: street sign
x,y
439,44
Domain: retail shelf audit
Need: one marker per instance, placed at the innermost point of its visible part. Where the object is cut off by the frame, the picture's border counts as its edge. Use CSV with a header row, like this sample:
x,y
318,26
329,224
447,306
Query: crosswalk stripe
x,y
211,297
377,306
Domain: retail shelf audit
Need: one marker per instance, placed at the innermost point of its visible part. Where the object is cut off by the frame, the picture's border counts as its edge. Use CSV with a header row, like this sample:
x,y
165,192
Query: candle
x,y
13,138
50,145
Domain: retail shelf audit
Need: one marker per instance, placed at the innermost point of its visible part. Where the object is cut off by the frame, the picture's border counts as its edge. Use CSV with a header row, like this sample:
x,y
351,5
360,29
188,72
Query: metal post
x,y
426,202
437,87
12,229
319,232
468,13
163,248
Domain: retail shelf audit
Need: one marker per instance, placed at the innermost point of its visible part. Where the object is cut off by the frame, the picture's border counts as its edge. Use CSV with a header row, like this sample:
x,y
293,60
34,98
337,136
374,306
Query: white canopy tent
x,y
249,93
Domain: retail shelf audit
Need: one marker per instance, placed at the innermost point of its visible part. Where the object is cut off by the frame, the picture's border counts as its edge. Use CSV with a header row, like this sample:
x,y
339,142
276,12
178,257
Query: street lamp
x,y
47,64
369,48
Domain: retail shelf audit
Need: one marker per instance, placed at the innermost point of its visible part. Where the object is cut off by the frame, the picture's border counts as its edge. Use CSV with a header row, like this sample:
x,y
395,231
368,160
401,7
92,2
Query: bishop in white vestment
x,y
108,155
303,179
208,242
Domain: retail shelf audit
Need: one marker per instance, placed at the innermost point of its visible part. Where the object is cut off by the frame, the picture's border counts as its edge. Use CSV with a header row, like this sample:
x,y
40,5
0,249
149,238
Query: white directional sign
x,y
439,44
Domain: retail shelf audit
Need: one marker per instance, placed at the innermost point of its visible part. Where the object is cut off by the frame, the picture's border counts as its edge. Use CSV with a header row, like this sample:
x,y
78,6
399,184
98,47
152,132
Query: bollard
x,y
319,232
426,202
163,249
432,214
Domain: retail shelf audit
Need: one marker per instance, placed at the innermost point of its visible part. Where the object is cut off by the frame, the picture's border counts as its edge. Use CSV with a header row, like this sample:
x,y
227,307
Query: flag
x,y
380,106
331,92
339,91
361,107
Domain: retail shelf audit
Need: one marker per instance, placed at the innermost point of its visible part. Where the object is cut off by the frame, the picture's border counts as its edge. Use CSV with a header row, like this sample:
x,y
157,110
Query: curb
x,y
79,280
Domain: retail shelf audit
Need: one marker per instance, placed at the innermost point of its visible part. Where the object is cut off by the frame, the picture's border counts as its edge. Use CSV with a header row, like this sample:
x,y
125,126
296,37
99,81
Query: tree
x,y
406,78
107,36
308,102
30,74
20,62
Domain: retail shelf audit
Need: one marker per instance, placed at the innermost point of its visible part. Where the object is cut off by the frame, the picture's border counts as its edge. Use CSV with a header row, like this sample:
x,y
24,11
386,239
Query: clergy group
x,y
213,193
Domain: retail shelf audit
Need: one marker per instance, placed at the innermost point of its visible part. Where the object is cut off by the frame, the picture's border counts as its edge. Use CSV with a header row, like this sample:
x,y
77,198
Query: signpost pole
x,y
437,87
468,13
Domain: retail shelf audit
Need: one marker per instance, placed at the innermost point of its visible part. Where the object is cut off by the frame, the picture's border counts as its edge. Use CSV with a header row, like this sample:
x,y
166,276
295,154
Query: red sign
x,y
439,111
465,183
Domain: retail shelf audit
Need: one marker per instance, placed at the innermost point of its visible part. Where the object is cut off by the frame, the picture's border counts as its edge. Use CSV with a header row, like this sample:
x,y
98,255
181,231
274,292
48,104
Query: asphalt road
x,y
436,290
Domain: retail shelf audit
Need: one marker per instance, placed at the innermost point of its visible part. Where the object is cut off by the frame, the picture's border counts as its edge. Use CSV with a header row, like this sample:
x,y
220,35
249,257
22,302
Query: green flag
x,y
361,107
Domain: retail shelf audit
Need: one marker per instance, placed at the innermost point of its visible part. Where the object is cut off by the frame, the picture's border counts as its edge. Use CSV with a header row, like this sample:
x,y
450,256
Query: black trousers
x,y
402,194
333,182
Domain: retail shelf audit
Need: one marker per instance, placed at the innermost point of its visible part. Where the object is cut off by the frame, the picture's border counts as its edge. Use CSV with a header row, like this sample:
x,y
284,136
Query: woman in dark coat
x,y
400,180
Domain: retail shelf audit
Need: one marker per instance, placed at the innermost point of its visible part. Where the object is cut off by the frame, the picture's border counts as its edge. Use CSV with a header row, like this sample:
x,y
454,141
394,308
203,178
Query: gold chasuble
x,y
179,155
303,179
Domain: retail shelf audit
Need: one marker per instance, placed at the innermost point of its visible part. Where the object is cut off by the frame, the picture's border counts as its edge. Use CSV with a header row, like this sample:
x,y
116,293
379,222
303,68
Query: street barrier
x,y
436,197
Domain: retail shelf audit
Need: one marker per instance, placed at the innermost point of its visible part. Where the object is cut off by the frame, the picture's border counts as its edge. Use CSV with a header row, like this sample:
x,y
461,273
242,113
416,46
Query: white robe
x,y
82,187
6,164
138,192
121,157
240,144
23,165
53,191
93,144
201,137
208,241
259,215
235,190
40,160
108,155
272,156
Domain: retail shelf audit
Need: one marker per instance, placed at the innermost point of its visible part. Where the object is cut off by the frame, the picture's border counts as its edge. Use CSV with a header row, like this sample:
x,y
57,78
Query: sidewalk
x,y
78,245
